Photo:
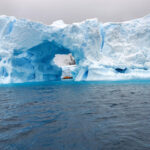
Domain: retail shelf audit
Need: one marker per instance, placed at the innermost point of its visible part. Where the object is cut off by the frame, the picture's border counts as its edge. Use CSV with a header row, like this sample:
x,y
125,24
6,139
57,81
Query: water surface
x,y
75,116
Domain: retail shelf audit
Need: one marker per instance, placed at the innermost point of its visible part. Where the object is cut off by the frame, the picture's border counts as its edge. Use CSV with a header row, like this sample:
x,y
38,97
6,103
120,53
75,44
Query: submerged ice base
x,y
102,51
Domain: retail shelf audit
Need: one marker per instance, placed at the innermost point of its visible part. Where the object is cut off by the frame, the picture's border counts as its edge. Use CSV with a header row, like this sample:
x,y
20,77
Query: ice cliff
x,y
102,51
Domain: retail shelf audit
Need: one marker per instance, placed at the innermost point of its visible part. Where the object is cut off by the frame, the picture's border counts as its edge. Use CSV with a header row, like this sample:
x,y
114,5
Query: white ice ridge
x,y
102,51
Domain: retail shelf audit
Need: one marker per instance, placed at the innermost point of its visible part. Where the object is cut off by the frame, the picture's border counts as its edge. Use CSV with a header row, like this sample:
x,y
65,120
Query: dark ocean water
x,y
75,116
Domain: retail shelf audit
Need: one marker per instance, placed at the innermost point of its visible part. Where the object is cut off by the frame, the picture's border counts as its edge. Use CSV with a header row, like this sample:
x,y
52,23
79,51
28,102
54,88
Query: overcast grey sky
x,y
70,11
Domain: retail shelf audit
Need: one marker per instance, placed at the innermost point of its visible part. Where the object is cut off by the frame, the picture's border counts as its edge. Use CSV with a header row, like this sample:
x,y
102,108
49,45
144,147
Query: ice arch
x,y
27,48
37,63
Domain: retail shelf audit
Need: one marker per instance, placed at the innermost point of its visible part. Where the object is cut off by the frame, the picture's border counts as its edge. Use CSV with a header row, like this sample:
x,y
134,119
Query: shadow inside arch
x,y
42,56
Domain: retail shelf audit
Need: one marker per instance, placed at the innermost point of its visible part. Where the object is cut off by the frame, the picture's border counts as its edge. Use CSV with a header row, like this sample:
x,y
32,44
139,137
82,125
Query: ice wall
x,y
125,50
109,51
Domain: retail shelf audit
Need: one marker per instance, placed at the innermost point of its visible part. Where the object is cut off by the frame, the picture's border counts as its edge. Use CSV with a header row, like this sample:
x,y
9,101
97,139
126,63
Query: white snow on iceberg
x,y
109,51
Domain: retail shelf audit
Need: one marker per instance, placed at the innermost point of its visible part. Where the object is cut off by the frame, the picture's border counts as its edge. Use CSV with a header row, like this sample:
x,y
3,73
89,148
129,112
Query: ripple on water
x,y
75,116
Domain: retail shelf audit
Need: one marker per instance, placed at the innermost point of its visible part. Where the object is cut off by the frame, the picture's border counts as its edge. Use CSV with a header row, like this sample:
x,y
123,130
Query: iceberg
x,y
101,51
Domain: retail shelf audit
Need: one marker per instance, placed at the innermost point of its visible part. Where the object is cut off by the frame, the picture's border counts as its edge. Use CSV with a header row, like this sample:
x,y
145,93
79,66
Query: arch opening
x,y
63,60
66,62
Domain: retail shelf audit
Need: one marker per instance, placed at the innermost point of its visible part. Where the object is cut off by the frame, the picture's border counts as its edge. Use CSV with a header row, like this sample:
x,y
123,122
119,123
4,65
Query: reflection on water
x,y
75,117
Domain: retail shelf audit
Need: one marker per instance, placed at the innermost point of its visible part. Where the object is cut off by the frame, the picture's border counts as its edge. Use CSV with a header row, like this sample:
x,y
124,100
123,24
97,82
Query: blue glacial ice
x,y
102,51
